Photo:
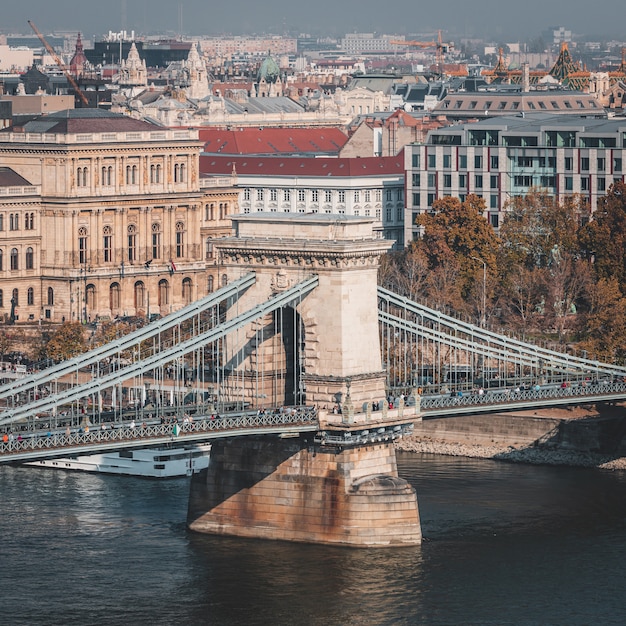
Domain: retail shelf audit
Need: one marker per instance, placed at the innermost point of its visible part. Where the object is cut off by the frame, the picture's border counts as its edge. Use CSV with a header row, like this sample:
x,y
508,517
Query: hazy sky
x,y
509,20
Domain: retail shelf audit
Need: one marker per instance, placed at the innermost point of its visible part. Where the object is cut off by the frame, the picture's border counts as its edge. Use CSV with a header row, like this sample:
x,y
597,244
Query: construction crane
x,y
441,47
60,63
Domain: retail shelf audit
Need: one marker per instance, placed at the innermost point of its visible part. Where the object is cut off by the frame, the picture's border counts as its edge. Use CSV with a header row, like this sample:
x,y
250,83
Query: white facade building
x,y
367,187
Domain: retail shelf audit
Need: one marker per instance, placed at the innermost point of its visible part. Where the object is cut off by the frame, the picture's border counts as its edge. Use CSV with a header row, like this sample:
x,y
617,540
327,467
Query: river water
x,y
503,544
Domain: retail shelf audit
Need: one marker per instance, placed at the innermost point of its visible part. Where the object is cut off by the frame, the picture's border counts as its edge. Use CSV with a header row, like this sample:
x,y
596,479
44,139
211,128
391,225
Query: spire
x,y
564,65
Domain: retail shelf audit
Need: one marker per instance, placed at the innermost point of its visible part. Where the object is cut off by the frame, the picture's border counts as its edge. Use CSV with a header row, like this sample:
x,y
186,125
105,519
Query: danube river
x,y
503,544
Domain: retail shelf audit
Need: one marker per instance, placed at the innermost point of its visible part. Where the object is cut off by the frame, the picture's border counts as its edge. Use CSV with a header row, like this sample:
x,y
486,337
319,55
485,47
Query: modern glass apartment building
x,y
498,159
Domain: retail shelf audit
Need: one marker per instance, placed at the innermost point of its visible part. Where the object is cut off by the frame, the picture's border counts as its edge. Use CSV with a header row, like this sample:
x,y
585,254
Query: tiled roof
x,y
82,121
302,167
9,178
272,140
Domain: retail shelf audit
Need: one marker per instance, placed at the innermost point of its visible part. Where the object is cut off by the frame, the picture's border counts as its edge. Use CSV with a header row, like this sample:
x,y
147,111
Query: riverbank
x,y
530,456
577,438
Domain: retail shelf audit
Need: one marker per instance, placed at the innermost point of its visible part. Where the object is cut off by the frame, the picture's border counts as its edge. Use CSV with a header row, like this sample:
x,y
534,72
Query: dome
x,y
269,70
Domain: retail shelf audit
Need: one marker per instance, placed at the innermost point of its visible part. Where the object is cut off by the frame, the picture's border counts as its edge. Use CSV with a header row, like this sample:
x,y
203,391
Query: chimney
x,y
525,77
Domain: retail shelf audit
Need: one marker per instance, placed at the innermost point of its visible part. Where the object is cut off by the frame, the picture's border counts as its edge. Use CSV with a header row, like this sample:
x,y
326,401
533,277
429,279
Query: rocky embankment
x,y
531,454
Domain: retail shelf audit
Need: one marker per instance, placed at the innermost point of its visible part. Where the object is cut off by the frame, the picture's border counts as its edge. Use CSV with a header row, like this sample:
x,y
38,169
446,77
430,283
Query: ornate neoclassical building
x,y
102,215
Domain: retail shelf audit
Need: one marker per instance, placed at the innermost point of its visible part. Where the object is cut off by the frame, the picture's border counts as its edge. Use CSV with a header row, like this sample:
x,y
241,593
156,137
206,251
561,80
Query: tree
x,y
537,224
459,236
604,238
67,342
605,328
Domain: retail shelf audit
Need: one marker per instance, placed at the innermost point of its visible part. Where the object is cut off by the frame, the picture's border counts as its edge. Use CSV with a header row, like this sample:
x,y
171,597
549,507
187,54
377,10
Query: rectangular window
x,y
357,196
416,180
367,196
478,162
273,195
432,161
431,199
415,160
416,199
584,183
378,195
246,194
447,181
259,194
569,183
341,196
106,245
493,202
584,164
495,220
617,164
569,164
156,245
132,248
431,180
328,195
180,244
601,183
478,181
314,195
287,195
462,181
495,162
389,195
301,195
493,181
447,161
601,164
463,161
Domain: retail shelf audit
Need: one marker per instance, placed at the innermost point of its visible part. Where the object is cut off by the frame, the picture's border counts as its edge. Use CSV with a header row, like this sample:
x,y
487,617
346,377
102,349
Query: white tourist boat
x,y
149,463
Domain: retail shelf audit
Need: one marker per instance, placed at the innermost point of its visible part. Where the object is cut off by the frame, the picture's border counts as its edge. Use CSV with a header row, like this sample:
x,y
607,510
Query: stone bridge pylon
x,y
340,486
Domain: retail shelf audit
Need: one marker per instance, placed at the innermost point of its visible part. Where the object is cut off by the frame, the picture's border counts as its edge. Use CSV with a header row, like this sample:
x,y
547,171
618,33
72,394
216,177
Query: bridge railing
x,y
15,444
508,396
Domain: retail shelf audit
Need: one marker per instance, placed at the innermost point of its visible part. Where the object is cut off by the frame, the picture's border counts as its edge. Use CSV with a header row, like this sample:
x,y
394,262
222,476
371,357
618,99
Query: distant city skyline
x,y
498,20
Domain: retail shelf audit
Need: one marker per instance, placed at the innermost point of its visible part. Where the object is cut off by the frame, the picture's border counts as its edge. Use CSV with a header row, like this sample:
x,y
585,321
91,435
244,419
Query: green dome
x,y
269,70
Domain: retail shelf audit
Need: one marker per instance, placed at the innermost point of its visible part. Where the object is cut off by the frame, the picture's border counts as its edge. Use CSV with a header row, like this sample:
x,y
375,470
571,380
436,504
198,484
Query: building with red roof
x,y
370,187
273,141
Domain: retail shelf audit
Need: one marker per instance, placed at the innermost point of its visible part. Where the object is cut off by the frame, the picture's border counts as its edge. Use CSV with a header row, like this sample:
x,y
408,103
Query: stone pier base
x,y
294,490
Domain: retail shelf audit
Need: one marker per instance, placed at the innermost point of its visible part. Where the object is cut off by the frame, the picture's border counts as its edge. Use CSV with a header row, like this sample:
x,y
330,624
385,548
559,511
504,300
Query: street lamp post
x,y
483,317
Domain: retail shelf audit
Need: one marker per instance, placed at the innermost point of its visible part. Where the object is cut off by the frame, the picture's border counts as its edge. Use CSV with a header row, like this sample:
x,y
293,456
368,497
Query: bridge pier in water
x,y
294,489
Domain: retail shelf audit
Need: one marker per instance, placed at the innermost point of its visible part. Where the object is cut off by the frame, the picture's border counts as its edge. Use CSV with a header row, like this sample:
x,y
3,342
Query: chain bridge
x,y
302,352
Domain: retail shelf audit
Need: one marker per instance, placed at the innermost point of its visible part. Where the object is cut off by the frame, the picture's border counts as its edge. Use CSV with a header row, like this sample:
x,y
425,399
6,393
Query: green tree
x,y
66,342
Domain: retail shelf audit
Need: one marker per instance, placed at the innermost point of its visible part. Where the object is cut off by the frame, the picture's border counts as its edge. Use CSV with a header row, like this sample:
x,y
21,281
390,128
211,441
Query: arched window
x,y
15,298
140,296
158,174
114,297
30,258
15,265
164,293
209,285
134,175
91,297
153,173
50,296
180,240
1,299
1,260
176,172
13,224
32,221
132,243
30,296
1,221
187,290
129,171
82,245
224,280
156,241
209,248
107,244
